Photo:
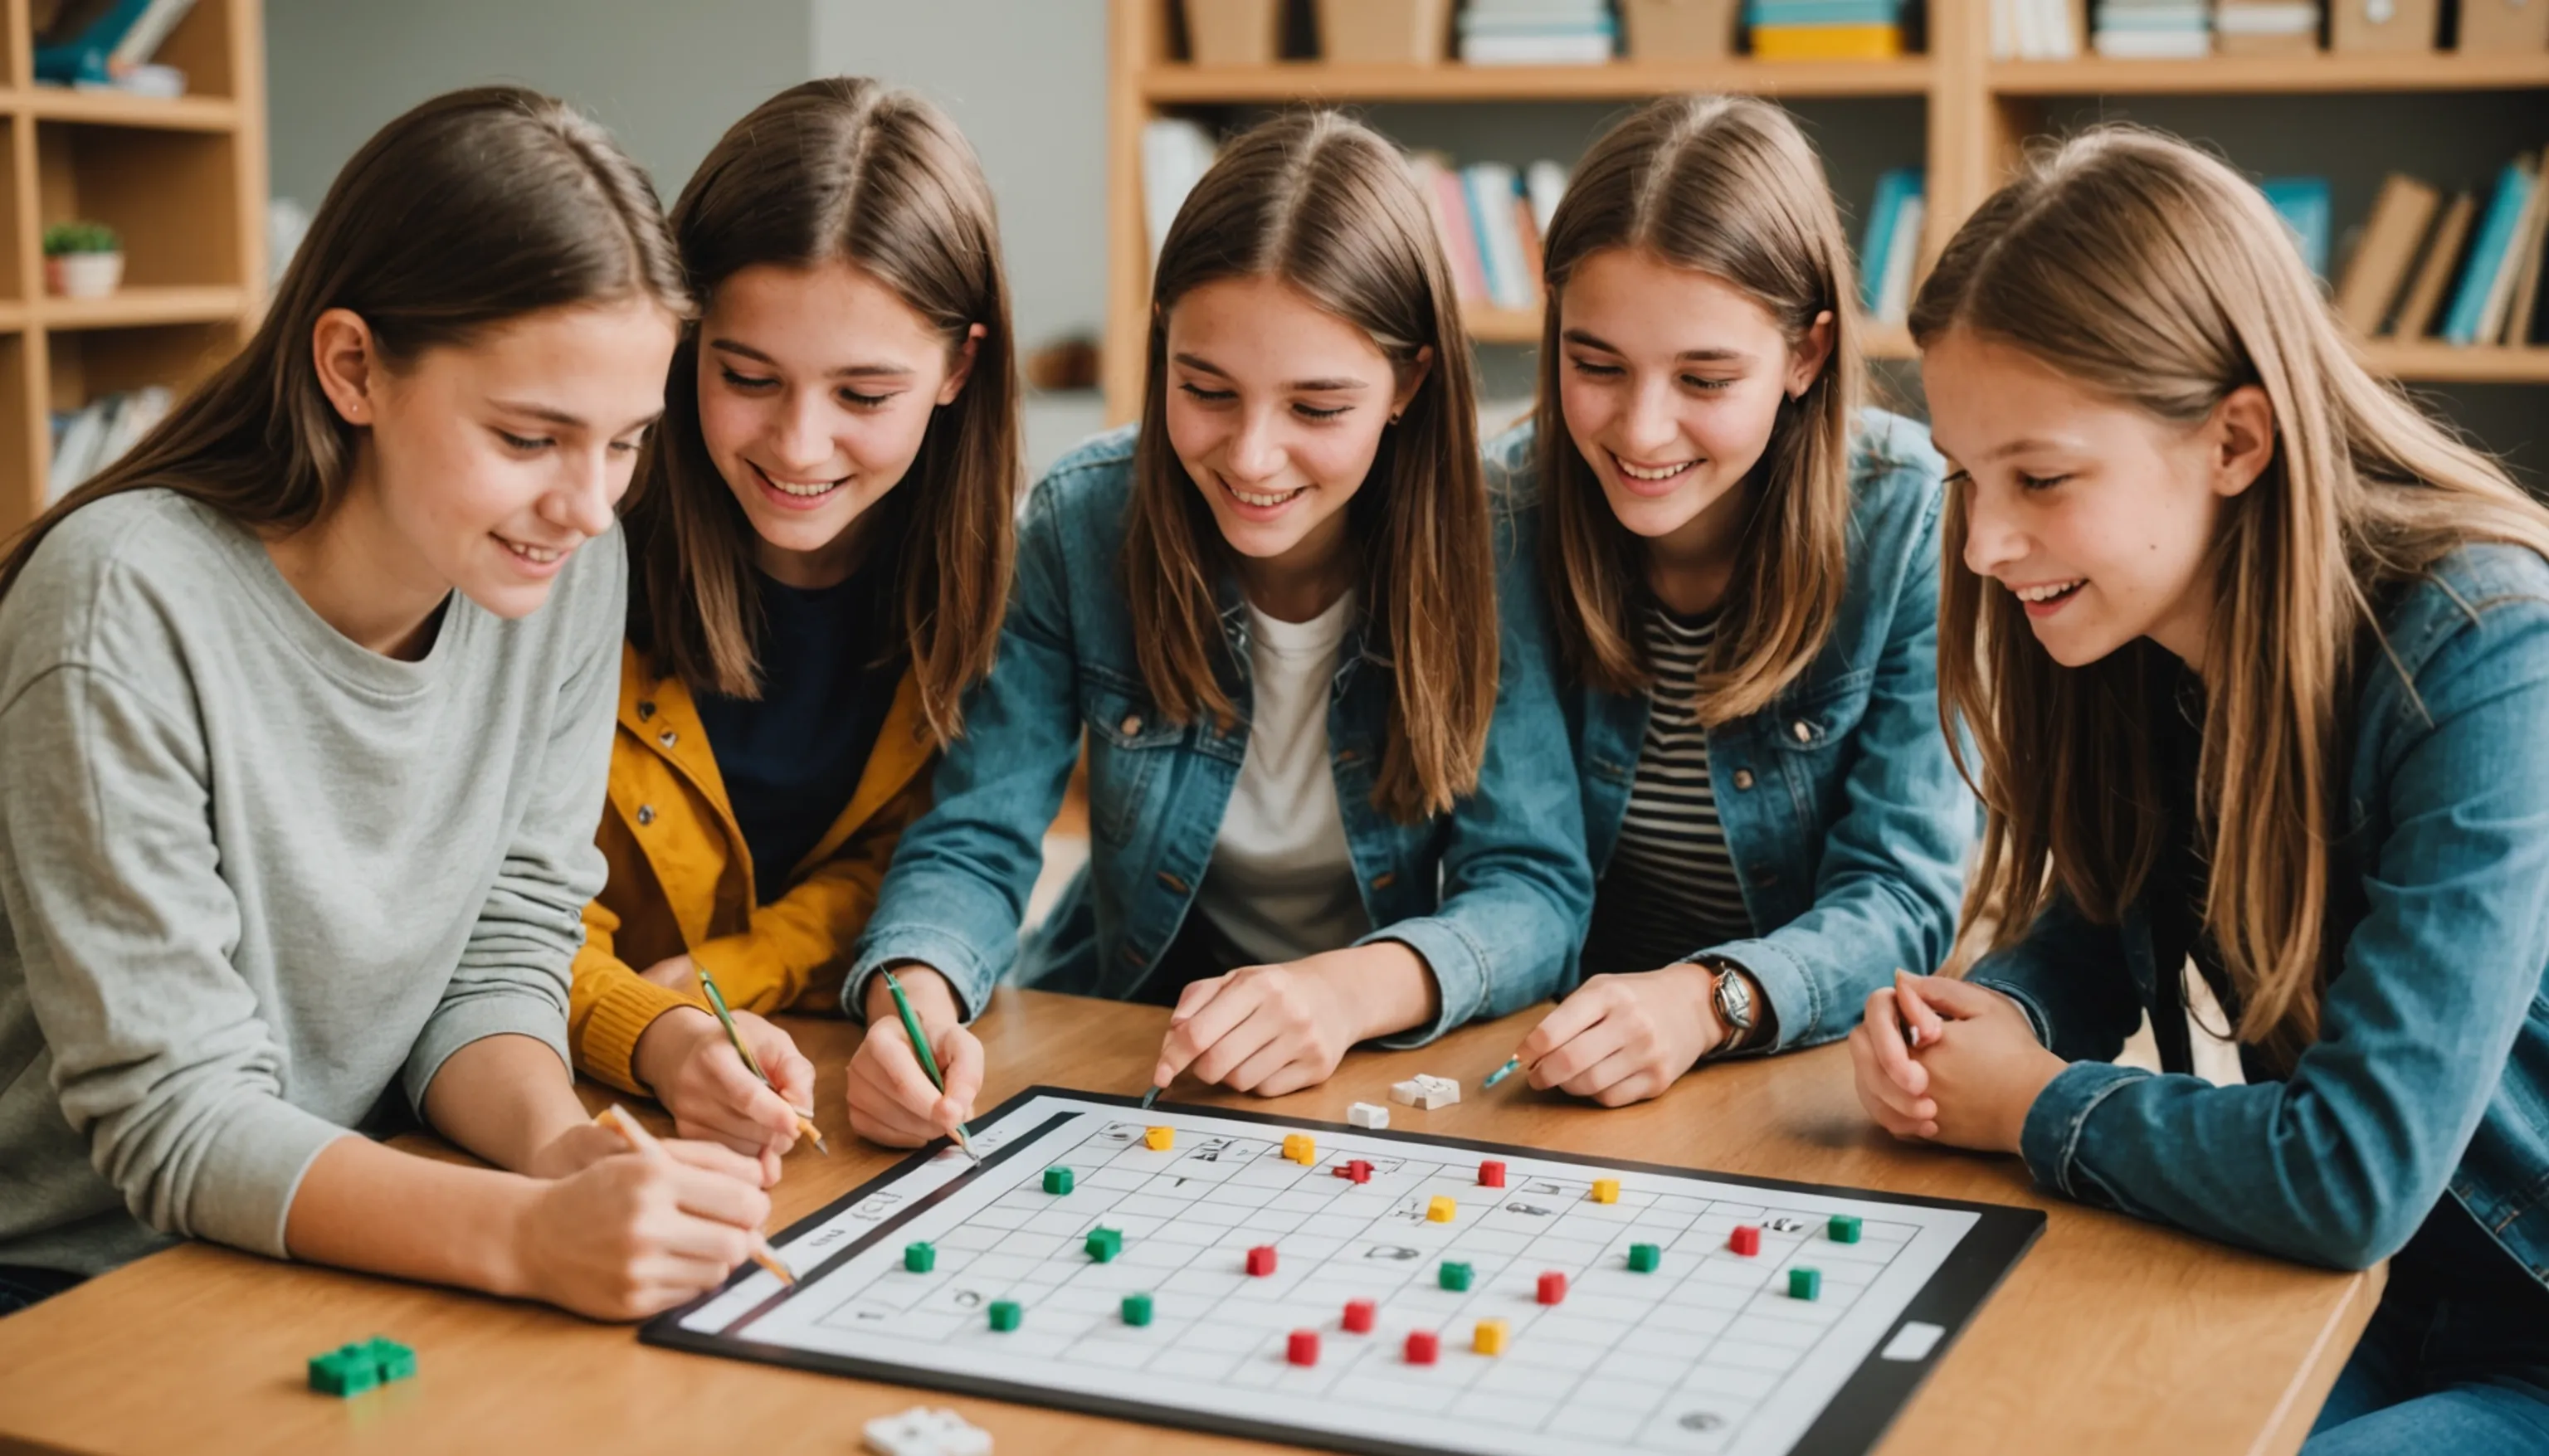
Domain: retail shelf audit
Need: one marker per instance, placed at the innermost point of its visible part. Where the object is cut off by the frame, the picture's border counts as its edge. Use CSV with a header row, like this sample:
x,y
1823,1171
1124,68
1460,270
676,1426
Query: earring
x,y
1394,418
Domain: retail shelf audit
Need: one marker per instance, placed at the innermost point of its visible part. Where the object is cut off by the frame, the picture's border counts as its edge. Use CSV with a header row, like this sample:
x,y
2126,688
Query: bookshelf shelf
x,y
2228,76
183,180
2431,362
1178,84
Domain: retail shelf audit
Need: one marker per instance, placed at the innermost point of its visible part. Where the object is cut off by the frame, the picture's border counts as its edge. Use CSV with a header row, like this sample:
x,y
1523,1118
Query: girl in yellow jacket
x,y
820,541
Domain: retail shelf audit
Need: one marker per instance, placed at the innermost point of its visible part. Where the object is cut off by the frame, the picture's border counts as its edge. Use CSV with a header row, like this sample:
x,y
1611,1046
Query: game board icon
x,y
1701,1421
875,1207
1396,1251
1533,1209
1784,1223
1119,1133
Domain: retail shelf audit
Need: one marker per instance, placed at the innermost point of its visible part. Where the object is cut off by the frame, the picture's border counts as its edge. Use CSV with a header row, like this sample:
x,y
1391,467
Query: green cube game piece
x,y
1137,1308
1005,1313
1844,1228
349,1371
1643,1257
1454,1276
919,1259
1105,1243
1805,1284
1057,1180
391,1360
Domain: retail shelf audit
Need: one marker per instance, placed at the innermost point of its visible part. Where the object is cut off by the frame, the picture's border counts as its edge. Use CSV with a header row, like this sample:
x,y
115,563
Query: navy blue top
x,y
792,759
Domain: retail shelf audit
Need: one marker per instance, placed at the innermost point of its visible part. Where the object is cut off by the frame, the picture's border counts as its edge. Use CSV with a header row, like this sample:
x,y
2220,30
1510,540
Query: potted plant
x,y
82,260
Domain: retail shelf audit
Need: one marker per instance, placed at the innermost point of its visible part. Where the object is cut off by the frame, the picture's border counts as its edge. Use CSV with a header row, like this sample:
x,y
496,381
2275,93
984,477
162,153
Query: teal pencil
x,y
928,1062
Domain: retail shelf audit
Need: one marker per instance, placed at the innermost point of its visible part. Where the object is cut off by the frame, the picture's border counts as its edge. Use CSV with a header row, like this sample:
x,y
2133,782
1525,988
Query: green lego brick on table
x,y
1105,1243
1057,1180
349,1371
1137,1308
1005,1313
393,1361
1644,1257
1454,1276
919,1259
1805,1284
1844,1228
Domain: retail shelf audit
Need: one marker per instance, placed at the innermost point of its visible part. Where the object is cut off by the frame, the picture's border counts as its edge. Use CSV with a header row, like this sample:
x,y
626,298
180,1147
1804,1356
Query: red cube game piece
x,y
1360,1315
1422,1346
1261,1259
1553,1287
1303,1347
1491,1175
1746,1241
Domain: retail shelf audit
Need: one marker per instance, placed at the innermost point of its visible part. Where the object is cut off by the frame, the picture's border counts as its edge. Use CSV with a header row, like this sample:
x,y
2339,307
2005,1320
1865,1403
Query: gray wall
x,y
667,77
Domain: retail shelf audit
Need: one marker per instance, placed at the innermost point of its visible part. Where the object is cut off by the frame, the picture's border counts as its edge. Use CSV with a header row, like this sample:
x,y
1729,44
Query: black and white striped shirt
x,y
1670,887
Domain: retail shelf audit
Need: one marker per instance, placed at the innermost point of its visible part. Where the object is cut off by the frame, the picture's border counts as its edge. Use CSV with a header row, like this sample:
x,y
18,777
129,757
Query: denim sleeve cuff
x,y
1460,969
2037,1021
1795,1001
945,953
2049,1140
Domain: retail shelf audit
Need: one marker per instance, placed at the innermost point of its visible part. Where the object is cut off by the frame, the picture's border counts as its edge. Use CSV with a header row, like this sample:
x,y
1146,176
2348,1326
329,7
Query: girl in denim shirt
x,y
1742,565
1325,799
2255,661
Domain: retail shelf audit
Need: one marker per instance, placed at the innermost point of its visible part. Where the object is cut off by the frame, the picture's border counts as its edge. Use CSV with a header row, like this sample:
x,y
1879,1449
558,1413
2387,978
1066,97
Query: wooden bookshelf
x,y
182,180
1979,114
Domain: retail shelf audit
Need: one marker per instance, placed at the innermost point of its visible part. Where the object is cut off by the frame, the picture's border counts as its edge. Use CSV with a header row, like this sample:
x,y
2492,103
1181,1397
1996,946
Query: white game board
x,y
1707,1353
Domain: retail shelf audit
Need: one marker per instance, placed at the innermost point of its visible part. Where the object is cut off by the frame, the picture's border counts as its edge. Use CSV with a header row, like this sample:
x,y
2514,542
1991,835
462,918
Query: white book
x,y
1585,50
1175,153
1894,301
149,33
2062,26
2004,28
139,412
76,455
1546,181
2508,265
2156,45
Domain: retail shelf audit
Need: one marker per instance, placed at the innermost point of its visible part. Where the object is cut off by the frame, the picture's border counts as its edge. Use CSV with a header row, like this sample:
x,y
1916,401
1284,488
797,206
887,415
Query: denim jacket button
x,y
1804,731
1345,756
645,815
1742,778
1131,725
1384,879
1175,885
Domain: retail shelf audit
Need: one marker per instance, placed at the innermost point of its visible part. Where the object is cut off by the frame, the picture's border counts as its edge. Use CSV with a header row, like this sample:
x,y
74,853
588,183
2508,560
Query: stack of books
x,y
1890,245
2466,273
108,44
2154,30
1537,32
94,436
2035,29
1826,30
1492,219
2265,27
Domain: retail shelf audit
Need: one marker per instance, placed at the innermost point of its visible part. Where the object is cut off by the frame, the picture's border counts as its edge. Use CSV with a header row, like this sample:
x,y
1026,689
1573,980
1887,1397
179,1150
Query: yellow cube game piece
x,y
1300,1148
1157,1139
1441,1210
1606,1190
1490,1339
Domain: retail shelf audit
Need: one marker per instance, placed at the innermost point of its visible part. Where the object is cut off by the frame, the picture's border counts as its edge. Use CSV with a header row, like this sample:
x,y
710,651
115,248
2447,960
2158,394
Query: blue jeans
x,y
2453,1377
22,1286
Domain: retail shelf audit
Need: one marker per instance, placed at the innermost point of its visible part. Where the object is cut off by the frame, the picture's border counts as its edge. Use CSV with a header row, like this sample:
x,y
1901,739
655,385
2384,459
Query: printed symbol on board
x,y
1701,1421
1210,1152
867,1312
966,1299
1120,1132
1542,1186
877,1207
1533,1209
1397,1251
1785,1224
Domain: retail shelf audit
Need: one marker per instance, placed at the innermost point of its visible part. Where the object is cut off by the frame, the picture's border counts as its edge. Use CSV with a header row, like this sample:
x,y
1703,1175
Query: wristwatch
x,y
1731,995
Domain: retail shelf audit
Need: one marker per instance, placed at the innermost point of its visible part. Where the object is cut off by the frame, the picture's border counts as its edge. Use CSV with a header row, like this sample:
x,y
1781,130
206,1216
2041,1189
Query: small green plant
x,y
61,239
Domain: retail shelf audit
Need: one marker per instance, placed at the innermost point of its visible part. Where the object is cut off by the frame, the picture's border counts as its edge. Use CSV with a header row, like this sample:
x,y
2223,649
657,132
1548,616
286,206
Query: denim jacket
x,y
1494,895
1846,820
2430,1074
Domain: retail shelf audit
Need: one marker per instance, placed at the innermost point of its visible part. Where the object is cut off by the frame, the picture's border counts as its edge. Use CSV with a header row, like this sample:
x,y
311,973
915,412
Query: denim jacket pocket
x,y
1128,740
1819,718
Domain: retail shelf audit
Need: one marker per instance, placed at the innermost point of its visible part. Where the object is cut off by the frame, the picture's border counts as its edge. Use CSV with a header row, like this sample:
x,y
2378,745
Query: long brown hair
x,y
1726,185
853,171
2157,276
474,209
1329,208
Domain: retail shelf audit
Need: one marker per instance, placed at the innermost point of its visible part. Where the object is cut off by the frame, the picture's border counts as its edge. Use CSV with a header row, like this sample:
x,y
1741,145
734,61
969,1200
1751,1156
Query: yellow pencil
x,y
616,1118
751,1063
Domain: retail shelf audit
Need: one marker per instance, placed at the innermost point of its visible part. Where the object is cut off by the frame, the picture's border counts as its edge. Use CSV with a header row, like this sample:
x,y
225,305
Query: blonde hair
x,y
2156,275
1729,186
1328,207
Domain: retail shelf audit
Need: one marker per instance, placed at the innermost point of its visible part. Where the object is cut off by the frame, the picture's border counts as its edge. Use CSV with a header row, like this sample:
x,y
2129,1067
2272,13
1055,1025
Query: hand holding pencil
x,y
896,1098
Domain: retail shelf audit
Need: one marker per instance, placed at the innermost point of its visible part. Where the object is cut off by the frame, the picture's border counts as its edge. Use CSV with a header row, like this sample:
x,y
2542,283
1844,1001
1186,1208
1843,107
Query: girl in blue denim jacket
x,y
1326,796
1742,571
2255,661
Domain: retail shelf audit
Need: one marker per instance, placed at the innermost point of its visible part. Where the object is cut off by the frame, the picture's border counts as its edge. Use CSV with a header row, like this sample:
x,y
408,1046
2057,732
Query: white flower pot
x,y
84,275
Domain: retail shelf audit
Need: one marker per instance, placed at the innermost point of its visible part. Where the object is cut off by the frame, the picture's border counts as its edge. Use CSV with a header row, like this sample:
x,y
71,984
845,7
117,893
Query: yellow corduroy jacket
x,y
680,876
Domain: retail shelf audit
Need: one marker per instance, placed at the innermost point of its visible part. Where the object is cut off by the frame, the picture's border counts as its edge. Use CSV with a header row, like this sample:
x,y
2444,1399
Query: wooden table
x,y
2110,1336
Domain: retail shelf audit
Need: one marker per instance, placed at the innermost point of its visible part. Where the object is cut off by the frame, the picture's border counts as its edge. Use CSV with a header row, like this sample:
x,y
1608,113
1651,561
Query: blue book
x,y
1823,12
2487,255
2303,203
1480,222
1891,189
82,57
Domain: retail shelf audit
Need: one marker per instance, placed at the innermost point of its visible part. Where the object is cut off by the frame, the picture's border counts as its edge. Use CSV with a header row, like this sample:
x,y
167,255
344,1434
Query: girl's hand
x,y
1894,1088
1977,1070
631,1236
891,1099
673,973
1263,1029
685,1056
1623,1039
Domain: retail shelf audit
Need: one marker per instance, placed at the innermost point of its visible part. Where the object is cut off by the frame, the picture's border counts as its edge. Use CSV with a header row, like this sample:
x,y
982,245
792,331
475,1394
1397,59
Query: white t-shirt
x,y
1282,884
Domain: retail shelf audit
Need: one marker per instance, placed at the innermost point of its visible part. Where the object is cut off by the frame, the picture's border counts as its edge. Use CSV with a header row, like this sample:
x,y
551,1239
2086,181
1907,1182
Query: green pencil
x,y
725,1019
928,1062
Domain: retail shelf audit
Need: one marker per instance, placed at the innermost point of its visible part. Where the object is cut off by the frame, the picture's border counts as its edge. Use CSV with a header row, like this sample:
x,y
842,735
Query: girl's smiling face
x,y
2098,516
1275,410
1671,382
